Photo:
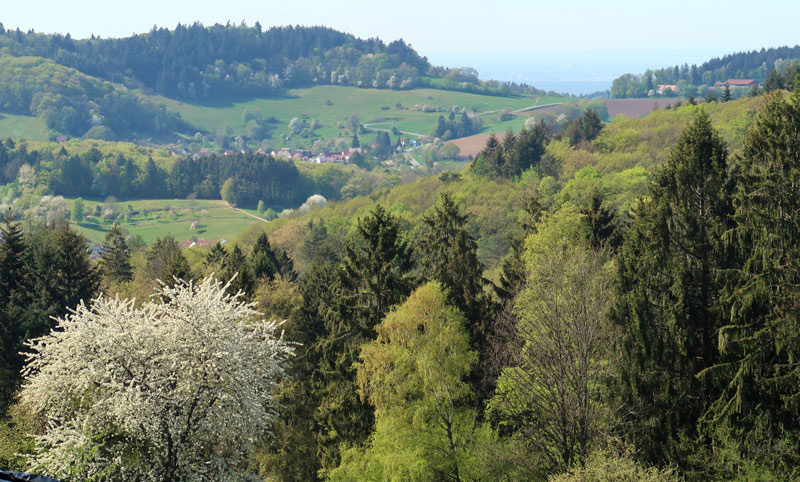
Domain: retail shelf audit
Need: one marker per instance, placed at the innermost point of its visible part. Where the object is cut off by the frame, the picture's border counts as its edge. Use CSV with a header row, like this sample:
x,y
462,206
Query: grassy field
x,y
329,105
22,127
155,218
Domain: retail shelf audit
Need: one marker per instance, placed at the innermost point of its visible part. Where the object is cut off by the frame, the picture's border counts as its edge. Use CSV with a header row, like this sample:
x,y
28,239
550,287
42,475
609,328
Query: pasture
x,y
409,110
153,218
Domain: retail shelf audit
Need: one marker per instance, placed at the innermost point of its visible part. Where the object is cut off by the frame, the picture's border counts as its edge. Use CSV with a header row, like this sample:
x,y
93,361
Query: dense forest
x,y
773,68
198,62
611,302
95,174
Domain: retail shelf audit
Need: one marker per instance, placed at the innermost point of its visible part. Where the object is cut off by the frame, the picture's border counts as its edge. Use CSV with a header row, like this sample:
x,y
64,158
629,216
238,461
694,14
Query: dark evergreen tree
x,y
726,93
165,261
761,342
603,230
65,274
668,297
373,276
115,260
450,256
16,292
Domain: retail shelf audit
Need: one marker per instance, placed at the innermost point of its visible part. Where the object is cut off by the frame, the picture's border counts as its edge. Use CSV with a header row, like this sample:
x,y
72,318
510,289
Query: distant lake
x,y
574,87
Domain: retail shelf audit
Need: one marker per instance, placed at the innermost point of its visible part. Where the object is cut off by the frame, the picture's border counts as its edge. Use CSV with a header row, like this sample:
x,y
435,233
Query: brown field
x,y
472,145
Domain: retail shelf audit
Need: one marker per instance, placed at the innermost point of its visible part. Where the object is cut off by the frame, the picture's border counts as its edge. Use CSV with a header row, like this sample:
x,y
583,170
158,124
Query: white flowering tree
x,y
178,389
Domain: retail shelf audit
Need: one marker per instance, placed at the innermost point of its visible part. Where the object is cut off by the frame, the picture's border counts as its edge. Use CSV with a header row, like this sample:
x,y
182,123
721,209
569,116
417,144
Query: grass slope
x,y
23,127
159,217
332,104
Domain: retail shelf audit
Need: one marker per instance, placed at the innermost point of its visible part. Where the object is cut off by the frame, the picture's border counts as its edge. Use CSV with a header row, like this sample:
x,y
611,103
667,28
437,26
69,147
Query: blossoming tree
x,y
178,389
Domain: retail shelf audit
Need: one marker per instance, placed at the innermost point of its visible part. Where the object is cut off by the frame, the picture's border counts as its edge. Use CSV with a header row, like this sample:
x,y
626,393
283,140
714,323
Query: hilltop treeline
x,y
198,62
95,174
773,68
77,104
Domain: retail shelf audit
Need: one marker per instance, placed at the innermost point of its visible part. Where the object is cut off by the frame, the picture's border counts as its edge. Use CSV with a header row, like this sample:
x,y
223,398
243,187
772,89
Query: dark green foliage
x,y
516,154
454,126
115,260
373,276
726,93
64,271
603,229
449,255
668,297
266,263
16,291
775,68
585,128
198,62
165,261
255,177
41,275
761,342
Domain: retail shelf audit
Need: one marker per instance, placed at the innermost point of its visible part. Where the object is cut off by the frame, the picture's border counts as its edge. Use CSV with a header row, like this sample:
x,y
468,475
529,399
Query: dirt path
x,y
369,126
248,214
537,107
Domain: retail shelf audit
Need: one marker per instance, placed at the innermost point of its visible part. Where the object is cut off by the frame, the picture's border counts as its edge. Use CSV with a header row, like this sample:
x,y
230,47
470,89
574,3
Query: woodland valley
x,y
236,253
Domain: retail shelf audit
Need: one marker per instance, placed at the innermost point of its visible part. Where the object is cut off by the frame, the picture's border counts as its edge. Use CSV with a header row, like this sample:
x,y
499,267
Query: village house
x,y
748,83
662,89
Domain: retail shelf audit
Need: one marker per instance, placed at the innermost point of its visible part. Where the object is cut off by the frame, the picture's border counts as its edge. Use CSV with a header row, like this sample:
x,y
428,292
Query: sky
x,y
526,41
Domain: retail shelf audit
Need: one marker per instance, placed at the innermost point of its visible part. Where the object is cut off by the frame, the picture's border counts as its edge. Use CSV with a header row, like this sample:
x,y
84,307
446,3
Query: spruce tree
x,y
761,343
16,292
115,260
726,94
450,256
65,274
668,297
373,276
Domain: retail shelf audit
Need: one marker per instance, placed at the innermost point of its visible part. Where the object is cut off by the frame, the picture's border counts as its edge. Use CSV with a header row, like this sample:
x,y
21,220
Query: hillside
x,y
73,103
619,163
773,68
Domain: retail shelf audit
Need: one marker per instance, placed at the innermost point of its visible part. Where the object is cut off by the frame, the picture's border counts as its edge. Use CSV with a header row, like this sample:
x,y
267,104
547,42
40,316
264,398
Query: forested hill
x,y
226,60
770,67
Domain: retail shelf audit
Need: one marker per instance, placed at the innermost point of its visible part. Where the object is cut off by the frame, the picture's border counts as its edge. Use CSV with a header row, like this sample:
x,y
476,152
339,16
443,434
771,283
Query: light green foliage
x,y
553,395
604,466
413,374
77,213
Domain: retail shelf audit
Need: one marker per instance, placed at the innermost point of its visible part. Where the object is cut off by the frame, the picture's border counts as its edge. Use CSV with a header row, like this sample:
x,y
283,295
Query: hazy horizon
x,y
577,41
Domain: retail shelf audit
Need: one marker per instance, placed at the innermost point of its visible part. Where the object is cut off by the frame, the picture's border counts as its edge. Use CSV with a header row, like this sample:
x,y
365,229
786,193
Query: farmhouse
x,y
661,89
737,83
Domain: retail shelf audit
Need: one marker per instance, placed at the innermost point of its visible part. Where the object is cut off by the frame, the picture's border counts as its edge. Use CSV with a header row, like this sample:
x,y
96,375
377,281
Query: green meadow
x,y
154,218
23,127
330,106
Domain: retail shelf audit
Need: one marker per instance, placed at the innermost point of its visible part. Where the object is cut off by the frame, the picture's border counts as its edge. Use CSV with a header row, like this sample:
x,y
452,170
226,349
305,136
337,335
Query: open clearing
x,y
22,127
329,105
155,218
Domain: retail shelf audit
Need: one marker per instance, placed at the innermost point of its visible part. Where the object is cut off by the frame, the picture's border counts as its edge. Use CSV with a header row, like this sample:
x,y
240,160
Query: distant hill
x,y
77,104
125,88
199,62
769,67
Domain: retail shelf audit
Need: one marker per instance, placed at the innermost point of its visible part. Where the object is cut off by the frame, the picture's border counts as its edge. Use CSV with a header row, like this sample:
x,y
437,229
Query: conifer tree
x,y
115,260
726,93
373,276
761,343
16,290
668,298
65,274
449,255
